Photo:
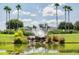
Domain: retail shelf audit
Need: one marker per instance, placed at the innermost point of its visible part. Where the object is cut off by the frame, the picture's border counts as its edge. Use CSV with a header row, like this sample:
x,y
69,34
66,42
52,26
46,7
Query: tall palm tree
x,y
69,9
56,5
9,10
18,7
65,9
6,9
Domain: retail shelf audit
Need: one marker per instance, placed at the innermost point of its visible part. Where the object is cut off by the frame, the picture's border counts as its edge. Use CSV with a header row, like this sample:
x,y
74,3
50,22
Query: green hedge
x,y
62,31
27,33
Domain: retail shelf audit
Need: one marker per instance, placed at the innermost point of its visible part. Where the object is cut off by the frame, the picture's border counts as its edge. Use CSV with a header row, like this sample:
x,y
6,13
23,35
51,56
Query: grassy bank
x,y
8,38
68,37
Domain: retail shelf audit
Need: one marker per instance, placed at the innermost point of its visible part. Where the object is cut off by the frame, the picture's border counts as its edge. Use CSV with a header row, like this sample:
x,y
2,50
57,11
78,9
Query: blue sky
x,y
35,13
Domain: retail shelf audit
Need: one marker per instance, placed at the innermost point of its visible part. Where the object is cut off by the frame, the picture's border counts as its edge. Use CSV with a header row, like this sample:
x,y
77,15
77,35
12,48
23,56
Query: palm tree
x,y
9,9
65,9
69,9
18,7
56,5
6,9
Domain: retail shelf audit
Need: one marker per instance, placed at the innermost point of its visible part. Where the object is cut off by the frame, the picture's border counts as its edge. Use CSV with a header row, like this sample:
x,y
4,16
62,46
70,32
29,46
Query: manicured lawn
x,y
68,37
6,38
71,48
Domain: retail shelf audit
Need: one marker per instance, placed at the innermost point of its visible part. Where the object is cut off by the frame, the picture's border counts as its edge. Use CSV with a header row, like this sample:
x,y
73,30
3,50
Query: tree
x,y
9,9
12,24
65,9
76,25
6,9
18,7
62,25
56,5
69,9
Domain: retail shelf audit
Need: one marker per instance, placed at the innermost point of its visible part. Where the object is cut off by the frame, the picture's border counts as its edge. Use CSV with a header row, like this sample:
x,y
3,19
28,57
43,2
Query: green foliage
x,y
28,33
58,31
76,25
18,41
19,37
14,24
62,25
25,32
19,33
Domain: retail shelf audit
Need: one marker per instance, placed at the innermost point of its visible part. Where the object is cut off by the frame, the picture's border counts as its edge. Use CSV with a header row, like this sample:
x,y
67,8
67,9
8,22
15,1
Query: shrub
x,y
28,33
18,33
17,41
56,32
19,37
62,31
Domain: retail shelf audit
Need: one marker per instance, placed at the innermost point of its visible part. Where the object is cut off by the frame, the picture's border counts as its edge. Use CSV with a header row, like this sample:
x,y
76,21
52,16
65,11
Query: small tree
x,y
68,25
76,25
12,24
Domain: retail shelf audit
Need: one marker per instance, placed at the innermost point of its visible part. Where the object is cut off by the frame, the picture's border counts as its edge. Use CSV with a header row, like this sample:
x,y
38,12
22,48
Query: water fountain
x,y
39,34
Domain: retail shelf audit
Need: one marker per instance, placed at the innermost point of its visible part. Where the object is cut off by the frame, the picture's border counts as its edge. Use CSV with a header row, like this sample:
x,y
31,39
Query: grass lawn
x,y
8,38
68,37
68,47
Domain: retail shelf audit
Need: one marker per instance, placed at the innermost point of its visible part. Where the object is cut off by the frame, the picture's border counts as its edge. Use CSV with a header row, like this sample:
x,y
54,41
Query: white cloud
x,y
23,13
51,11
26,20
32,14
52,22
31,22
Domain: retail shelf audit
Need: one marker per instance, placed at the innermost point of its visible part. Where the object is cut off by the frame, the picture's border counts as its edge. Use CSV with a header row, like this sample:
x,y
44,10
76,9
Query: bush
x,y
19,33
17,41
56,32
28,33
61,31
19,37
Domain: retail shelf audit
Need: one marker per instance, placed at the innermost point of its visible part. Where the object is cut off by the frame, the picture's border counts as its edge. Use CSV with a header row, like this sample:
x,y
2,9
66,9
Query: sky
x,y
36,13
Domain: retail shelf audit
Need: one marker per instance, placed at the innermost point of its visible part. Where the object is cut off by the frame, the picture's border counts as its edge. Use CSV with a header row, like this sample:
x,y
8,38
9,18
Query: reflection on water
x,y
22,49
16,49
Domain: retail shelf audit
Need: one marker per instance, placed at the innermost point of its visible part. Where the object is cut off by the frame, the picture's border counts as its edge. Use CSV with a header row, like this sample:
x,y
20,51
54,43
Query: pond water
x,y
25,49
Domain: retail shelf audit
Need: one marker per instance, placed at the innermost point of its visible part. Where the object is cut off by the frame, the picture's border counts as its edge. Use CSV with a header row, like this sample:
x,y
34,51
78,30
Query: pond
x,y
25,49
